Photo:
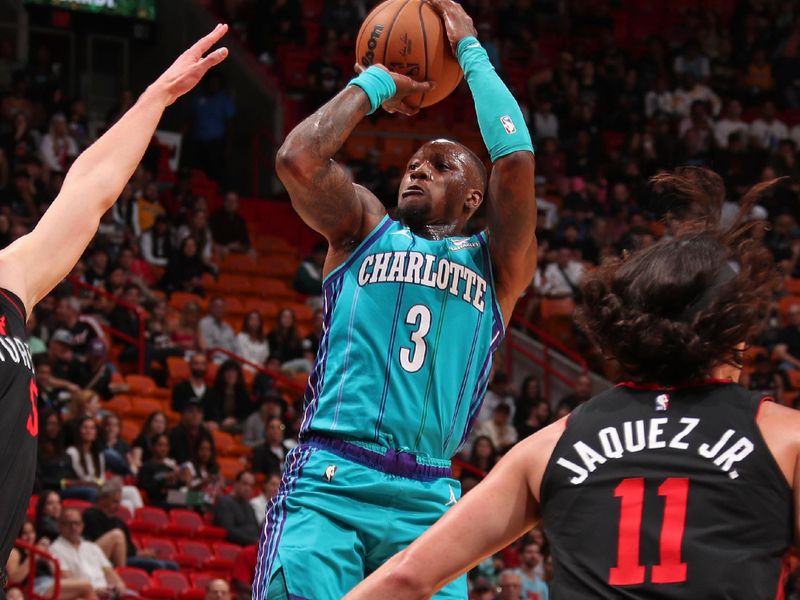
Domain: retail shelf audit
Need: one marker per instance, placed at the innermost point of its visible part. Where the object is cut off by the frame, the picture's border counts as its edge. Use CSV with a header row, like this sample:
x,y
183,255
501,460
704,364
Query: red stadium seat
x,y
158,517
201,579
135,579
226,551
164,548
140,384
197,549
194,593
171,580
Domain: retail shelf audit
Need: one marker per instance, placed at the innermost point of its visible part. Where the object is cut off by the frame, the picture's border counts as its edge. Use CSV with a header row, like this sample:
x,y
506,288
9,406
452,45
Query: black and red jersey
x,y
667,494
19,421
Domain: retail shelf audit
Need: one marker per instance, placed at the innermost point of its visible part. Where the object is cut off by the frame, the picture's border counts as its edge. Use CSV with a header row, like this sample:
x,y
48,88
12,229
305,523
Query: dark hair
x,y
674,311
50,447
219,379
689,194
95,449
40,502
260,333
473,457
523,390
148,422
241,474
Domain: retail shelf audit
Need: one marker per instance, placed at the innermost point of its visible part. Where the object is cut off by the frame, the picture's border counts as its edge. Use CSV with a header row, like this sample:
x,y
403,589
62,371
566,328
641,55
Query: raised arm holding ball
x,y
413,312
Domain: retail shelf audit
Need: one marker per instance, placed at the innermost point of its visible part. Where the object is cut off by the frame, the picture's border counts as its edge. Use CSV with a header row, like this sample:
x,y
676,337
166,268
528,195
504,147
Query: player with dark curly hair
x,y
677,484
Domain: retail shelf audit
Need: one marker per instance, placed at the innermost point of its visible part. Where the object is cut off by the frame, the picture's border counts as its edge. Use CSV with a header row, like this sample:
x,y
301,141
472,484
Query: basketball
x,y
408,37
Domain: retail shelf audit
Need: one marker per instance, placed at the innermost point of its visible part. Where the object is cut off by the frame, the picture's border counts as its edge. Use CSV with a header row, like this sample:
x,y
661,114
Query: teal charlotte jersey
x,y
409,331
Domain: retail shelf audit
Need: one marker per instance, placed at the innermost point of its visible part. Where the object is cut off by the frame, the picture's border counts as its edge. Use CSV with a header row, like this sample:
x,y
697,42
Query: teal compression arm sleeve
x,y
499,117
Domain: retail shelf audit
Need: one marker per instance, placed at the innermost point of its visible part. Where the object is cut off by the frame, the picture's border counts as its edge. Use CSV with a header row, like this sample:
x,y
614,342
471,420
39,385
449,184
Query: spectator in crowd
x,y
228,227
204,470
215,332
538,416
82,328
234,513
484,455
197,228
63,362
84,559
185,438
284,341
764,378
120,458
100,371
154,424
103,526
768,130
157,243
730,123
562,278
787,350
58,148
272,405
185,269
269,490
22,200
233,402
126,320
499,429
21,143
498,392
311,341
211,110
48,513
160,473
582,393
53,392
186,334
532,584
530,394
82,404
150,206
195,388
125,213
693,62
269,457
545,122
324,77
54,467
251,343
510,585
308,278
218,589
18,569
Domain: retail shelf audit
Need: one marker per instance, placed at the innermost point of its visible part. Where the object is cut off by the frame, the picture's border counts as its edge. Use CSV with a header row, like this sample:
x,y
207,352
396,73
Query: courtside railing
x,y
549,344
35,555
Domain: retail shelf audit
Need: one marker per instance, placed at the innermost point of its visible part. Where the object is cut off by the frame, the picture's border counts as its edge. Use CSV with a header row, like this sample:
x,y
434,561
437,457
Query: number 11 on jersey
x,y
629,571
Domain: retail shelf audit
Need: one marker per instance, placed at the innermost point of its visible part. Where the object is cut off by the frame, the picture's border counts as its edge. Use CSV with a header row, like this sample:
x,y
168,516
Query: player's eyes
x,y
442,167
412,166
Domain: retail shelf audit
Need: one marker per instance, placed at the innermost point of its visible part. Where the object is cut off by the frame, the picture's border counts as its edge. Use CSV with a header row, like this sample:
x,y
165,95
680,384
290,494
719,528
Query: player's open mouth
x,y
413,190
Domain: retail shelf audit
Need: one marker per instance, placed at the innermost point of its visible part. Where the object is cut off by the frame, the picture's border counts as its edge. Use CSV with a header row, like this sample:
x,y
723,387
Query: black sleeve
x,y
180,394
212,405
92,524
240,530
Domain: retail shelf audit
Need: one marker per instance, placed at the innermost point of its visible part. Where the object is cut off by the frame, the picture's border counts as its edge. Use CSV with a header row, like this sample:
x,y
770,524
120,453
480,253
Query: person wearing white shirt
x,y
499,429
562,278
215,332
545,123
768,130
659,99
689,92
251,343
84,559
268,489
58,148
730,123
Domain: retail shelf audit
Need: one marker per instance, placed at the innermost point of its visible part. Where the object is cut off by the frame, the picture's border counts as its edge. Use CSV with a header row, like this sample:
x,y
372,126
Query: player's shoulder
x,y
776,416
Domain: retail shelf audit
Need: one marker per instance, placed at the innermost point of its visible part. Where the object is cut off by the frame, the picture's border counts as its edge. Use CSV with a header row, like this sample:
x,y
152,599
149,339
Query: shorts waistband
x,y
387,460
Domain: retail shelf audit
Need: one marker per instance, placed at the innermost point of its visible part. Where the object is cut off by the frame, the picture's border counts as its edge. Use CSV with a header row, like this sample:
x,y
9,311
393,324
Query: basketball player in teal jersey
x,y
413,313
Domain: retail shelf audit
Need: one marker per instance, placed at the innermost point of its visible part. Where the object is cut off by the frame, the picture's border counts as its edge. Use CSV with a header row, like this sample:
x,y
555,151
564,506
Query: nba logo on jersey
x,y
508,124
662,402
330,472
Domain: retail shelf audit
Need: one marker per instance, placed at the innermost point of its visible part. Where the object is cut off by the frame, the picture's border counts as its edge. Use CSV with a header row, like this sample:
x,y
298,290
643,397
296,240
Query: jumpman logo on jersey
x,y
404,232
452,500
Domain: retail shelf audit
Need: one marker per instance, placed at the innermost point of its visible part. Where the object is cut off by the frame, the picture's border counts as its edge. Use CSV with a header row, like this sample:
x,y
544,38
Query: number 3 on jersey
x,y
412,359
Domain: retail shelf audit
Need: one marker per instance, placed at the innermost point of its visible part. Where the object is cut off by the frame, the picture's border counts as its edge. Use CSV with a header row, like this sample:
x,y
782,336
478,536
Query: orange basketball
x,y
408,37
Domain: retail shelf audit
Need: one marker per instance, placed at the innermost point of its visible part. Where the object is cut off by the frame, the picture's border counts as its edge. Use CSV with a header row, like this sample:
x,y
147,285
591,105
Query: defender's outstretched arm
x,y
35,263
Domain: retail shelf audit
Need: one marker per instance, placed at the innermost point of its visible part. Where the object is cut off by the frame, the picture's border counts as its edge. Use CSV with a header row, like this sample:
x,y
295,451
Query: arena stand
x,y
589,76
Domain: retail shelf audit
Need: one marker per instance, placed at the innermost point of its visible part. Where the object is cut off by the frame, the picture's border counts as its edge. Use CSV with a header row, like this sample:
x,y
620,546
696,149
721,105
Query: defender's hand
x,y
457,22
189,68
405,87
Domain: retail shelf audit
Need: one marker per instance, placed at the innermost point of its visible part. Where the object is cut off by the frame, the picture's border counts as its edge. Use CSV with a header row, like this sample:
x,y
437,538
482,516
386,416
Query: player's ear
x,y
473,200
